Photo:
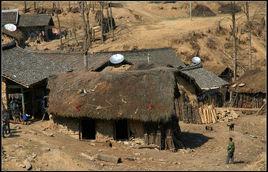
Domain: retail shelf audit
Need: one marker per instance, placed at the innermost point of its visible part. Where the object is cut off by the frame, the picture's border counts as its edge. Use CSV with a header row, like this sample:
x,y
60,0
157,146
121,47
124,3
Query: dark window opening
x,y
121,130
151,127
99,69
88,129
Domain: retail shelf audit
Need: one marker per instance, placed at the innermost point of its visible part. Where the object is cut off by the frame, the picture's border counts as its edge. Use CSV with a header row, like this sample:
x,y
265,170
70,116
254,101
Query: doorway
x,y
121,130
88,129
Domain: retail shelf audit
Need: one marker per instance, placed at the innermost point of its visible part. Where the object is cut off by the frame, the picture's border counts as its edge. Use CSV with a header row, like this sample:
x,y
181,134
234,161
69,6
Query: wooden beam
x,y
23,101
239,109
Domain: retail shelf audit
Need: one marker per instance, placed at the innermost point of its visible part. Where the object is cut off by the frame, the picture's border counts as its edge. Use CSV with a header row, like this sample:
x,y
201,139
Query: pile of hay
x,y
202,11
228,8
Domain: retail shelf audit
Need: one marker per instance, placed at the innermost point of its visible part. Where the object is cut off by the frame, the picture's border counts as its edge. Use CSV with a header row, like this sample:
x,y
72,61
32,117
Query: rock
x,y
126,143
144,159
46,149
131,158
101,164
27,164
22,165
137,154
161,160
49,134
34,155
87,156
151,159
253,136
175,163
100,150
92,144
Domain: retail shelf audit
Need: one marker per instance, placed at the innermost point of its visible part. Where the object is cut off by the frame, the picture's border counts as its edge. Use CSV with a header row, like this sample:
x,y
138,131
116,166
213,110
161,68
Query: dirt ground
x,y
206,150
150,25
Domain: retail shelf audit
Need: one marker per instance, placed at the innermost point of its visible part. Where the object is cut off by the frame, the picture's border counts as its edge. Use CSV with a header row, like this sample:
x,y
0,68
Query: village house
x,y
198,87
28,25
248,93
151,85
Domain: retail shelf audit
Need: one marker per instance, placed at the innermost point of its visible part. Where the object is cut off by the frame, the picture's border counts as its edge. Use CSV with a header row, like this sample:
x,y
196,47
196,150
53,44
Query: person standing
x,y
5,123
230,151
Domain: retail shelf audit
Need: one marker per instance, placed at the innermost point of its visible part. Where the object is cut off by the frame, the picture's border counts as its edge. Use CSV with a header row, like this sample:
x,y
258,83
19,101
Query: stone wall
x,y
136,127
69,126
104,129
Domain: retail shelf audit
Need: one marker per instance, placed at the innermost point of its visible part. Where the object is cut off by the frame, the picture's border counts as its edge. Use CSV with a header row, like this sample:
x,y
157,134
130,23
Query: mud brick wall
x,y
69,126
4,95
136,127
104,129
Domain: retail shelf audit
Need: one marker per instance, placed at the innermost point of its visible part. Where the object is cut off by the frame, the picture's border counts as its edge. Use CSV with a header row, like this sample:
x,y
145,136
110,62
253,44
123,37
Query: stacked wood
x,y
207,114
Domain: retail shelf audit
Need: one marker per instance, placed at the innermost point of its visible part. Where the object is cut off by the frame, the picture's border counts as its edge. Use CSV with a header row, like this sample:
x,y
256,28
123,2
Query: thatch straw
x,y
146,95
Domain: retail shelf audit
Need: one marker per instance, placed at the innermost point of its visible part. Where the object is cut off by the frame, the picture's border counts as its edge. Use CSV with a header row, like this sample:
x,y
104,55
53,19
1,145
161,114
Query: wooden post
x,y
111,18
22,101
146,139
190,10
101,21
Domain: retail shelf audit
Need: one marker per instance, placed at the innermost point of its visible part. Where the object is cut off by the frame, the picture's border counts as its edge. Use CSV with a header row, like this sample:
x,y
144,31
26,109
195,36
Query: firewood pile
x,y
226,115
208,114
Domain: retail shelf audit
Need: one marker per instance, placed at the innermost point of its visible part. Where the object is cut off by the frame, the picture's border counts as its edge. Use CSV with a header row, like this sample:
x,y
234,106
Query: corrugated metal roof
x,y
28,67
9,16
29,20
204,79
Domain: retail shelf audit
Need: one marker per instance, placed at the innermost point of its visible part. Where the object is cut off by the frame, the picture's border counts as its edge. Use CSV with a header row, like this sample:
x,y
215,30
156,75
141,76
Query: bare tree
x,y
234,35
111,19
84,9
190,10
245,9
25,6
59,29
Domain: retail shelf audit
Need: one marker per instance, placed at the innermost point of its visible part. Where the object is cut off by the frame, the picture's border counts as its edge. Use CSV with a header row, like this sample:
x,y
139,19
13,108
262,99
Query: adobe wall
x,y
136,127
104,129
69,126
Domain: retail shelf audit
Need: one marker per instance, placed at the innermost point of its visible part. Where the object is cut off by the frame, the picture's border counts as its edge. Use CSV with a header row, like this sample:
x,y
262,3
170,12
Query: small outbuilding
x,y
249,91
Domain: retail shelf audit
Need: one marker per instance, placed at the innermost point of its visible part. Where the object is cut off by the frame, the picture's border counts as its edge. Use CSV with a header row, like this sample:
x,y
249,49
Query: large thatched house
x,y
96,105
250,89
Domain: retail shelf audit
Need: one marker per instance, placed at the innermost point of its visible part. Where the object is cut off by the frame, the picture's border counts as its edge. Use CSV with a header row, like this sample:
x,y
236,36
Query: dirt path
x,y
206,150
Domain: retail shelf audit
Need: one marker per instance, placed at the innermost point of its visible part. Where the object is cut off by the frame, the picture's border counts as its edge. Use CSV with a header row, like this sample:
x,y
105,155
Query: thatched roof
x,y
9,16
146,95
254,81
159,57
32,20
17,35
203,79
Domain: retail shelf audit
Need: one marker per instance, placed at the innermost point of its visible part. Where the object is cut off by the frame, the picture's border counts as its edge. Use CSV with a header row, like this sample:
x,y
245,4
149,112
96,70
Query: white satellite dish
x,y
10,27
116,58
196,60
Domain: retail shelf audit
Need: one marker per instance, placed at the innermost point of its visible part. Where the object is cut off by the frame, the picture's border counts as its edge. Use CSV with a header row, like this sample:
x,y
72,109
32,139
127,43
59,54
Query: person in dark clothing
x,y
230,151
5,123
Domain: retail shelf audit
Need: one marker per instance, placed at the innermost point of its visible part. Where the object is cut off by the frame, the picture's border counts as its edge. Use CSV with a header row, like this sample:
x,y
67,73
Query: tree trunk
x,y
59,30
190,12
234,44
111,19
25,7
101,21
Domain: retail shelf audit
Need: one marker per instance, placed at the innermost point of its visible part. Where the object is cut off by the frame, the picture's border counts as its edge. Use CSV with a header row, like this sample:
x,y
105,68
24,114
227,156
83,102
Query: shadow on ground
x,y
193,140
